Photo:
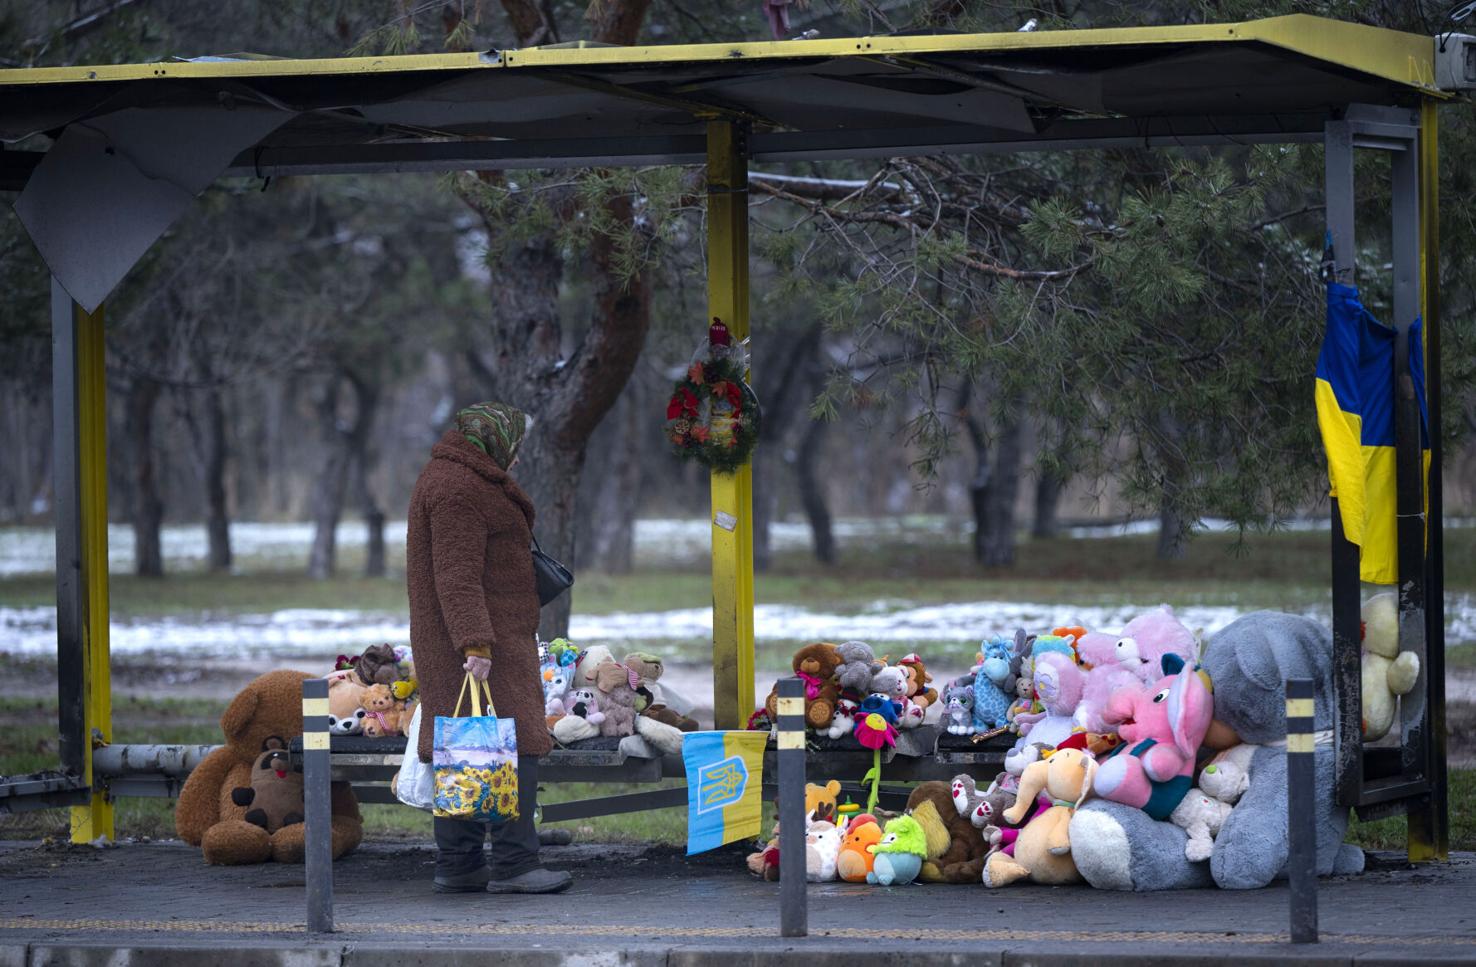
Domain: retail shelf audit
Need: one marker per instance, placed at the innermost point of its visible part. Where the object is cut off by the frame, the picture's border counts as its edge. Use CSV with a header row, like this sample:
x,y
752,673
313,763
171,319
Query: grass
x,y
1281,570
1389,834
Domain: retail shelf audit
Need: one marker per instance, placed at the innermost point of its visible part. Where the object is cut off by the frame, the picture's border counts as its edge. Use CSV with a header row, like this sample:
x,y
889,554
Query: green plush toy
x,y
899,855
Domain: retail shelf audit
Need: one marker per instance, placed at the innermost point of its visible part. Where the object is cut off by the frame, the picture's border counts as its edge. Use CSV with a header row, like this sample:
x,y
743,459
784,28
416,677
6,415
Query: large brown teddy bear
x,y
207,815
816,664
963,860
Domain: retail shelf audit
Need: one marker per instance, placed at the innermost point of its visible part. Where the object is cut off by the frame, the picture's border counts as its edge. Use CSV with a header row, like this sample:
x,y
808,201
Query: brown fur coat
x,y
469,569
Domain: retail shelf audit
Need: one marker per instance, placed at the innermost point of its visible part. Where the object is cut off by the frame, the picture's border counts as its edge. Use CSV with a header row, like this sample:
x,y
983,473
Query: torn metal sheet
x,y
111,185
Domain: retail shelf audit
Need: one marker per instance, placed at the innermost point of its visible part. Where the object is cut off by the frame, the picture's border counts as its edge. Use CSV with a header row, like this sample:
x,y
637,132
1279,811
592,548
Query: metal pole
x,y
732,493
1409,460
71,600
95,820
1429,819
318,805
1346,619
1301,822
793,912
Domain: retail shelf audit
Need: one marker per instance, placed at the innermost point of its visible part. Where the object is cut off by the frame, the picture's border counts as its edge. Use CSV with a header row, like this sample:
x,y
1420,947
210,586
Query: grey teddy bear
x,y
1118,847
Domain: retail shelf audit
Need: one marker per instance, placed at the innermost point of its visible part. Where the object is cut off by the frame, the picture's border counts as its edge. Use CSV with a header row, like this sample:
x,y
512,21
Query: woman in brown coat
x,y
474,608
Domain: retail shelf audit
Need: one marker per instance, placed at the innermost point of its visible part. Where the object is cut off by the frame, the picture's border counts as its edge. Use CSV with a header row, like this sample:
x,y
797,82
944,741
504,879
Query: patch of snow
x,y
326,631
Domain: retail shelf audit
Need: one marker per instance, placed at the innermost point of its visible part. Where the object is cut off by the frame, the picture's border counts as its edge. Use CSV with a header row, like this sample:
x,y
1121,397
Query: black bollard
x,y
793,916
317,805
1301,823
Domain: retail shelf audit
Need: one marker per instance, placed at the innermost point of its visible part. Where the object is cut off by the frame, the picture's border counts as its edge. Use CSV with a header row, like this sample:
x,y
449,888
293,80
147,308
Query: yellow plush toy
x,y
1386,672
1043,850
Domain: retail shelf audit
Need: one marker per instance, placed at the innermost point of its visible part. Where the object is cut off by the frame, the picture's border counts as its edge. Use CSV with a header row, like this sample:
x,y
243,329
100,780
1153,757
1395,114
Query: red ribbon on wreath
x,y
683,403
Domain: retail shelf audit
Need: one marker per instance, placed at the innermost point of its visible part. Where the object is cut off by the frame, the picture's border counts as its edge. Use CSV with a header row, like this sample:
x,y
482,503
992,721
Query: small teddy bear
x,y
844,721
1201,816
1227,776
383,715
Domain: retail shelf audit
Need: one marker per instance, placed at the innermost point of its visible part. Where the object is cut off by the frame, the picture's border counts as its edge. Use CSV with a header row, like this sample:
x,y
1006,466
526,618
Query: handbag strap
x,y
478,691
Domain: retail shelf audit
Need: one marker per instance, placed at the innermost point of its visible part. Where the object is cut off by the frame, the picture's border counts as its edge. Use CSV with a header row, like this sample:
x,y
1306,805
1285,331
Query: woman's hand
x,y
478,667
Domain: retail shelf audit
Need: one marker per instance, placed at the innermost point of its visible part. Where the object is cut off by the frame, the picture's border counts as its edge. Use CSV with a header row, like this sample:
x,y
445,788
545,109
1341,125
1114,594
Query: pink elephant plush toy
x,y
1161,727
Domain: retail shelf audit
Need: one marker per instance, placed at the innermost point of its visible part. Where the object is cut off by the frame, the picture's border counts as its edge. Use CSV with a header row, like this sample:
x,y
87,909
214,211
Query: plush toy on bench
x,y
207,814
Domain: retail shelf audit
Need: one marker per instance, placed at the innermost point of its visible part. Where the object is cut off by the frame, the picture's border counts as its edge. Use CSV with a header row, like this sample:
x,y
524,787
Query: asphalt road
x,y
147,903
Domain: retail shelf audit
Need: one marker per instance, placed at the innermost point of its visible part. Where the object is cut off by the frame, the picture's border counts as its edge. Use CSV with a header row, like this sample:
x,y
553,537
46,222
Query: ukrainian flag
x,y
1355,412
725,779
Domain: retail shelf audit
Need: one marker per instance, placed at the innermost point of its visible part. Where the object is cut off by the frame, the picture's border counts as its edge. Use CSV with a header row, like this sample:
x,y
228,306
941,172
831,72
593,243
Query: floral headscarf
x,y
495,428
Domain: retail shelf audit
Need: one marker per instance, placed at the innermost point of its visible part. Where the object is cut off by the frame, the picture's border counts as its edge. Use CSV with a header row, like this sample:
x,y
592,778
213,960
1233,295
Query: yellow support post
x,y
732,494
96,818
1428,821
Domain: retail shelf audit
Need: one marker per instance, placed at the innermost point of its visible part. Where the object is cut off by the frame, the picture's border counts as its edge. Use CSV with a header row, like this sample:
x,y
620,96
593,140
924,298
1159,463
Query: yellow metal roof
x,y
1407,59
131,144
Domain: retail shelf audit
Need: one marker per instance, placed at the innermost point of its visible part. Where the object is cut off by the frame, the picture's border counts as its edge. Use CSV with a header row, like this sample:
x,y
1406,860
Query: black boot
x,y
514,867
461,862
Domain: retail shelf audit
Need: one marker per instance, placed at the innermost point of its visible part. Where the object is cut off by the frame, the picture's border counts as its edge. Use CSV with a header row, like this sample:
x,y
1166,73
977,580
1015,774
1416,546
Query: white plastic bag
x,y
415,784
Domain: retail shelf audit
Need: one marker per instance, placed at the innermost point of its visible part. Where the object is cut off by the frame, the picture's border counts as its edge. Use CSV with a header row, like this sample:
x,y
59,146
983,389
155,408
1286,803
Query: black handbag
x,y
551,577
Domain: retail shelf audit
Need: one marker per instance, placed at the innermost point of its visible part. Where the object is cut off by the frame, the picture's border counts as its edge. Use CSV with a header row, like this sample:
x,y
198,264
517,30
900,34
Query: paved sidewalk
x,y
157,903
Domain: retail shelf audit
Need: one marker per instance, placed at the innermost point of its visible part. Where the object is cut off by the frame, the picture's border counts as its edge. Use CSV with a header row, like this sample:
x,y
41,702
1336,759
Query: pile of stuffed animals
x,y
587,693
849,691
1142,760
373,694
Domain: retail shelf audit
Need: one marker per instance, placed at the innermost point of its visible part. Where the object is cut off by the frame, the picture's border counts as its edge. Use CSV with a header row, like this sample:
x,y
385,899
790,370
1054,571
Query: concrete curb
x,y
818,953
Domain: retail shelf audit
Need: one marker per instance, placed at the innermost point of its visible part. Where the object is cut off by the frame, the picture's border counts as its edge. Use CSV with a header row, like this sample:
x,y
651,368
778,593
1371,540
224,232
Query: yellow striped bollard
x,y
793,917
1301,823
317,791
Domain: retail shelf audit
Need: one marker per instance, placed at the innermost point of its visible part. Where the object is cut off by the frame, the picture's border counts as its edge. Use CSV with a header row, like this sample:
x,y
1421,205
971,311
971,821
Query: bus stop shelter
x,y
131,146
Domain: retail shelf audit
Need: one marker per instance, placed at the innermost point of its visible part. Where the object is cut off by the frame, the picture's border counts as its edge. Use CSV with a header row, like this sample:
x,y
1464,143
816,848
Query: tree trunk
x,y
608,500
812,492
1048,488
788,363
995,484
148,508
1173,529
327,497
567,396
1171,534
217,518
1000,496
979,482
363,456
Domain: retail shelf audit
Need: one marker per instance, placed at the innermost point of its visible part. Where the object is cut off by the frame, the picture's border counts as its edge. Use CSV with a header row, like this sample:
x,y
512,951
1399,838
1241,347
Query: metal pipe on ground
x,y
793,914
1301,821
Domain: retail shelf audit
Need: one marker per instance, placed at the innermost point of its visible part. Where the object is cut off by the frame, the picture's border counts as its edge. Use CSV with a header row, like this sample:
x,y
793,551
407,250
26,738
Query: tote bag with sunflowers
x,y
475,761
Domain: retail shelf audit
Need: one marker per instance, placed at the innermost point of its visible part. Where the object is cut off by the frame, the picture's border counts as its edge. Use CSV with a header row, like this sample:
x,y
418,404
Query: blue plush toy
x,y
994,688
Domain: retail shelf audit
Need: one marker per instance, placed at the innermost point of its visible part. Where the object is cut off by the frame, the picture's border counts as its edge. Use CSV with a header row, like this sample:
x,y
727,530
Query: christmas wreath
x,y
713,415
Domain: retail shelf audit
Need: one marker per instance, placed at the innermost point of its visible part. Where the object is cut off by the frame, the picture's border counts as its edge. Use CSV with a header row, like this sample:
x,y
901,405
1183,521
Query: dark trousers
x,y
514,844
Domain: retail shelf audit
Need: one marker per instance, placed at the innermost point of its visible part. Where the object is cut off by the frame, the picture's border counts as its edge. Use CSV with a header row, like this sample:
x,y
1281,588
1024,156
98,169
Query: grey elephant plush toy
x,y
1118,847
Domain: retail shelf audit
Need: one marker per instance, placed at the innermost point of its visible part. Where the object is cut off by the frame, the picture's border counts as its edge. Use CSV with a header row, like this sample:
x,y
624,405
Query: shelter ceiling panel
x,y
504,104
1265,79
809,102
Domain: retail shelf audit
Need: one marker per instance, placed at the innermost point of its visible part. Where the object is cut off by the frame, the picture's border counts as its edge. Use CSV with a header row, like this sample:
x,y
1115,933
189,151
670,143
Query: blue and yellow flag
x,y
1355,412
725,778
